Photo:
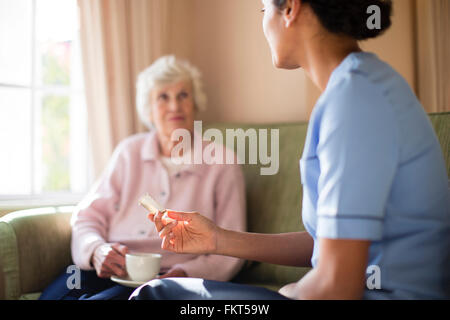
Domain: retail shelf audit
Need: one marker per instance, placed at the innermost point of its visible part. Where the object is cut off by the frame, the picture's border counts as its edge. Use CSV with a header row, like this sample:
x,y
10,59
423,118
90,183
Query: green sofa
x,y
35,244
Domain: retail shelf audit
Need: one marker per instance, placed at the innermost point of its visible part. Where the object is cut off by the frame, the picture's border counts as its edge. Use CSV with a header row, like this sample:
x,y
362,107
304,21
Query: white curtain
x,y
119,39
433,54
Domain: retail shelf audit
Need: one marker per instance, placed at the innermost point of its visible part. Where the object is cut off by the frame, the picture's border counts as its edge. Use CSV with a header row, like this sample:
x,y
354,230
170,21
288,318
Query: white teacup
x,y
142,266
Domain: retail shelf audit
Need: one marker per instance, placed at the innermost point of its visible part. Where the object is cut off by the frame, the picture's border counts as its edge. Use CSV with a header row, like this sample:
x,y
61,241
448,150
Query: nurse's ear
x,y
291,12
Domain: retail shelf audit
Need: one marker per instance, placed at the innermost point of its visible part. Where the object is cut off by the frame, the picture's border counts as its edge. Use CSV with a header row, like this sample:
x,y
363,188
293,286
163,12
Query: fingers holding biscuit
x,y
158,220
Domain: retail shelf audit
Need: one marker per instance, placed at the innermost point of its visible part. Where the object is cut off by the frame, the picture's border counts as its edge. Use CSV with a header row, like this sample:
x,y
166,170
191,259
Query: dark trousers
x,y
91,288
200,289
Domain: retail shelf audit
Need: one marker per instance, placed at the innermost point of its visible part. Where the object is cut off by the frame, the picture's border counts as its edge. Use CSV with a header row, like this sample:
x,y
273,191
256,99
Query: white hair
x,y
167,70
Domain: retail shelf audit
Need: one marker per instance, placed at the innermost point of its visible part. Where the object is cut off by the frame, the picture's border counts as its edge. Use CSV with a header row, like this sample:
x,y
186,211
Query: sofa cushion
x,y
9,262
441,125
34,248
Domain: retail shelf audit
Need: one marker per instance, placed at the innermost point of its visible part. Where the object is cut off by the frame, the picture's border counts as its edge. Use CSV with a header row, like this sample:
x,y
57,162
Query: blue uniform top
x,y
372,169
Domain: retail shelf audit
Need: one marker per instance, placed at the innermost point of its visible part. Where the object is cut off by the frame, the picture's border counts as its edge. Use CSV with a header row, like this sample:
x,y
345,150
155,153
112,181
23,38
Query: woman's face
x,y
281,39
172,107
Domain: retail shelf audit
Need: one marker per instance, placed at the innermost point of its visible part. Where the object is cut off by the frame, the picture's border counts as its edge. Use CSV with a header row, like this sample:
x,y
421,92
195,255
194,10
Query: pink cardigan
x,y
110,212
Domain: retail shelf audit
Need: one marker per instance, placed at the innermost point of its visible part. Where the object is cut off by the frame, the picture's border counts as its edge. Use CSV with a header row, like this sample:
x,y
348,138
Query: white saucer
x,y
127,282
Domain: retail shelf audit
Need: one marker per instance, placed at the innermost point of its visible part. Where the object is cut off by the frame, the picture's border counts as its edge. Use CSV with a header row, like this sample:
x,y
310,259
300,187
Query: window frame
x,y
35,197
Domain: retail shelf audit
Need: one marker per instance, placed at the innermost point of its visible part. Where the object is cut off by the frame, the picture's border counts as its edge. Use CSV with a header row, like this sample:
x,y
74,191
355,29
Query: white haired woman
x,y
108,223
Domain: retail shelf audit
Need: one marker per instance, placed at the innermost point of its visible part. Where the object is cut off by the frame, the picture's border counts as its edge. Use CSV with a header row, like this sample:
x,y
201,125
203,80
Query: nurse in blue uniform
x,y
375,188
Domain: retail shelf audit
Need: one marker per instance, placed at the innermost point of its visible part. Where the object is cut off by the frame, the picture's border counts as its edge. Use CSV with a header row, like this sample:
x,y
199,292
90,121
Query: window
x,y
43,124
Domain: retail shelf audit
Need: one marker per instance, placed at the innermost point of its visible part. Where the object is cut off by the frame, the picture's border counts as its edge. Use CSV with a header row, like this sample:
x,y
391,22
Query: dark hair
x,y
348,17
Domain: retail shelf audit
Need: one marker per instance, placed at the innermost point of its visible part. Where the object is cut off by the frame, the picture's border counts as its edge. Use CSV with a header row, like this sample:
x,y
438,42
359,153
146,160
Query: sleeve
x,y
231,215
358,155
91,218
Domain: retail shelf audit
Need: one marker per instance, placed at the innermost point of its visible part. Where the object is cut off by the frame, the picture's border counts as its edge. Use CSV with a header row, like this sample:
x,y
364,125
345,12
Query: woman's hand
x,y
174,273
109,259
290,290
186,232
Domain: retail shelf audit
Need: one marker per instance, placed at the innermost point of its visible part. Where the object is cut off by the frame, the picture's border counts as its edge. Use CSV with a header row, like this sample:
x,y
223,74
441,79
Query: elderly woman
x,y
109,222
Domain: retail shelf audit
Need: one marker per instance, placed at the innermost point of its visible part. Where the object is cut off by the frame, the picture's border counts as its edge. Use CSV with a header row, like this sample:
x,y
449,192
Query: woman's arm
x,y
340,273
91,218
194,233
290,249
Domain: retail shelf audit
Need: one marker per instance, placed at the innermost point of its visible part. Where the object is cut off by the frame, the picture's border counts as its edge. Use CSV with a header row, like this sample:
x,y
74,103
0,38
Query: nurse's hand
x,y
186,232
290,290
160,219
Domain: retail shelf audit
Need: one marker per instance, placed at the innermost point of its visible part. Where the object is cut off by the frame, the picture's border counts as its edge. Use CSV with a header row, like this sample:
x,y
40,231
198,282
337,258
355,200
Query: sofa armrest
x,y
34,249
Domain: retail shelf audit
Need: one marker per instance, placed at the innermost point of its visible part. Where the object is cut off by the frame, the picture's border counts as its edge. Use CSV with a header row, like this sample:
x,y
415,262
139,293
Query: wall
x,y
397,45
225,40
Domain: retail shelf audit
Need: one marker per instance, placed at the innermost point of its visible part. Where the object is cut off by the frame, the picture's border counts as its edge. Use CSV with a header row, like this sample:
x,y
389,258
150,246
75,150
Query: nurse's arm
x,y
340,272
194,233
289,249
